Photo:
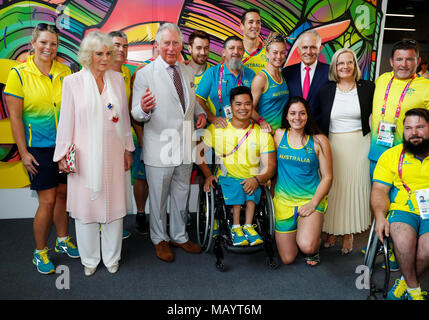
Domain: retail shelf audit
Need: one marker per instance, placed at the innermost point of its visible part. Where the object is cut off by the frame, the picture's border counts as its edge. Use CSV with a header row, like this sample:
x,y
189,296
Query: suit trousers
x,y
164,181
90,242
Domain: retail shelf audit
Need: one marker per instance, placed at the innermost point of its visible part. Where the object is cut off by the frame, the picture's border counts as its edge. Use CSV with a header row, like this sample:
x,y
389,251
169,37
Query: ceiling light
x,y
400,15
399,29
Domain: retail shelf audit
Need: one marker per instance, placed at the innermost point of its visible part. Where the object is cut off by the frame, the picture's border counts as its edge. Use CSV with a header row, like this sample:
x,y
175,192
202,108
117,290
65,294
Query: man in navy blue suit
x,y
305,79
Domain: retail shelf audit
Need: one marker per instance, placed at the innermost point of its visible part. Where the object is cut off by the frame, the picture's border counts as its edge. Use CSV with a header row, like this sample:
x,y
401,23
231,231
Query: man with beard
x,y
199,48
405,167
215,86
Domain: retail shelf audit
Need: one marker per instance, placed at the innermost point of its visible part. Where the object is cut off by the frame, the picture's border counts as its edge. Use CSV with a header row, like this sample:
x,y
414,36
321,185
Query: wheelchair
x,y
212,206
375,248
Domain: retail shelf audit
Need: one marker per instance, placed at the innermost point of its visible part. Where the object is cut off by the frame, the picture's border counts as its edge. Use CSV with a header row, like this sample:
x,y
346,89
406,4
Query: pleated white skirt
x,y
349,197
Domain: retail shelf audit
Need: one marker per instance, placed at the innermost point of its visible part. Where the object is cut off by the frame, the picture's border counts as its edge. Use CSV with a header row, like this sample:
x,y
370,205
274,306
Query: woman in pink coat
x,y
95,118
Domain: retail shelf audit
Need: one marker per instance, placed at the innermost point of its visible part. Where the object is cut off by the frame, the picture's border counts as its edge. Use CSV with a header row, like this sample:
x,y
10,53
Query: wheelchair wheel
x,y
265,216
374,248
370,239
205,219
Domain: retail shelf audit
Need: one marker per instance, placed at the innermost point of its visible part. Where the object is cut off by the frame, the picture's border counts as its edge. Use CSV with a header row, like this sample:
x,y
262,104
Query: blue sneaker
x,y
42,262
238,237
398,291
126,234
393,264
67,247
417,294
252,236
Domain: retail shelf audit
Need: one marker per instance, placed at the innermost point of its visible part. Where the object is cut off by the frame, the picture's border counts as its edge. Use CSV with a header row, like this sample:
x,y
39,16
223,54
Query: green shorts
x,y
288,225
420,225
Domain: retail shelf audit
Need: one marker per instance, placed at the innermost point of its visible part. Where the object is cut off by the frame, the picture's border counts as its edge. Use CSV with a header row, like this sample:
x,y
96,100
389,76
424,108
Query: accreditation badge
x,y
228,112
386,134
422,197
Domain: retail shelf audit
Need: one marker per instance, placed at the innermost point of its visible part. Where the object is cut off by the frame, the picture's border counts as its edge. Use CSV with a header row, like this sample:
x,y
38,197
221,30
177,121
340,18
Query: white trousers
x,y
93,247
176,182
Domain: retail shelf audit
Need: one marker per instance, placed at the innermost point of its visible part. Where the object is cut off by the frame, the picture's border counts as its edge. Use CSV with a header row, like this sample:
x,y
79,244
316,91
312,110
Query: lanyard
x,y
240,142
219,88
261,45
401,99
400,165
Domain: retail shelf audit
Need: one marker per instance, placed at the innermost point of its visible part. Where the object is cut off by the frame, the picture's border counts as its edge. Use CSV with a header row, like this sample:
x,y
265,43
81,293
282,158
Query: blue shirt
x,y
208,87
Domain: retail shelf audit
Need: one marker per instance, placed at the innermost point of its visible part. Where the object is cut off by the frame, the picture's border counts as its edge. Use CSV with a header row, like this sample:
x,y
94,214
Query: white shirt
x,y
345,113
303,72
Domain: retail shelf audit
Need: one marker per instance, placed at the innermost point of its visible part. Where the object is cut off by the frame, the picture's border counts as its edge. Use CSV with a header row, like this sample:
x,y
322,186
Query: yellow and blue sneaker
x,y
238,237
393,264
252,236
42,262
67,247
416,294
398,291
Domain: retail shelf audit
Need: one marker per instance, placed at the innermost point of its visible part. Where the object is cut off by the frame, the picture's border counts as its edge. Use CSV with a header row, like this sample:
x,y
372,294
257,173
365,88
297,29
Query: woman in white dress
x,y
346,105
95,118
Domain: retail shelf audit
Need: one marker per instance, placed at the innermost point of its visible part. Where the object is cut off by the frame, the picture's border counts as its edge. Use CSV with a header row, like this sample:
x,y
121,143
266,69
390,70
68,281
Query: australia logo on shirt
x,y
309,150
252,145
410,91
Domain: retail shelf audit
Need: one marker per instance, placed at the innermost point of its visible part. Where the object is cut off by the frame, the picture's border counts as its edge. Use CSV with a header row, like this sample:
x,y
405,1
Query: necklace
x,y
346,90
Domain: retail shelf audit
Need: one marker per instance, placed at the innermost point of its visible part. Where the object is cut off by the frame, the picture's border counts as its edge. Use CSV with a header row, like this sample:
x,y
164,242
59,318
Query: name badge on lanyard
x,y
422,197
386,131
227,109
228,112
386,134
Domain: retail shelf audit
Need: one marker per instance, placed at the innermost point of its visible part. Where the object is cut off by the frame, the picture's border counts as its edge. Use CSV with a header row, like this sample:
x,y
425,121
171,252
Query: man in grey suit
x,y
164,98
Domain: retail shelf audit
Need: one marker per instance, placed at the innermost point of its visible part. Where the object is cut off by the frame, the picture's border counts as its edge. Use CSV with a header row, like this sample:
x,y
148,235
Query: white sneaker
x,y
89,271
113,269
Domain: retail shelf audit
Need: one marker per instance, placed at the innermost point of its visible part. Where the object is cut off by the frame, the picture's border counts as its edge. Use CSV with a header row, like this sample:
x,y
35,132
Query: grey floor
x,y
190,277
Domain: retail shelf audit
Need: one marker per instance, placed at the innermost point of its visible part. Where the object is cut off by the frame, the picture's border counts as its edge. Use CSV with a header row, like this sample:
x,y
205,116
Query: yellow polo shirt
x,y
415,175
41,97
245,161
126,74
417,96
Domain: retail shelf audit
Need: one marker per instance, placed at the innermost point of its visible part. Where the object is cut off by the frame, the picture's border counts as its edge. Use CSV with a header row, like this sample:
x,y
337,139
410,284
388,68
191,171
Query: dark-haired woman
x,y
300,192
33,96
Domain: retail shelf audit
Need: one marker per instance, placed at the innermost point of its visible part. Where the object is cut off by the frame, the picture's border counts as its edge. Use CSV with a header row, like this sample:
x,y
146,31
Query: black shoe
x,y
141,223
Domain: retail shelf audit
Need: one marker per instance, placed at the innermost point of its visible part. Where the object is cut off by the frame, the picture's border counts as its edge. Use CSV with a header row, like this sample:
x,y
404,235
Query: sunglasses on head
x,y
279,37
50,27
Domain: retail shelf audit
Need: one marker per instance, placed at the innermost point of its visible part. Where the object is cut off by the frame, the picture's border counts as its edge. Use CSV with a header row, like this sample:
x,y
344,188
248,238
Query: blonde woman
x,y
95,118
33,96
346,104
269,89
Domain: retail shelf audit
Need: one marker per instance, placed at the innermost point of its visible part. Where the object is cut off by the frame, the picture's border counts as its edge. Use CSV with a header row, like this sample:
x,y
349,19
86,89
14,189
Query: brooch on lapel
x,y
114,116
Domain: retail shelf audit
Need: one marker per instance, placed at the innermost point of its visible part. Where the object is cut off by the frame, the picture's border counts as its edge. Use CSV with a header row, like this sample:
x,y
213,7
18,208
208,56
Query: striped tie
x,y
179,87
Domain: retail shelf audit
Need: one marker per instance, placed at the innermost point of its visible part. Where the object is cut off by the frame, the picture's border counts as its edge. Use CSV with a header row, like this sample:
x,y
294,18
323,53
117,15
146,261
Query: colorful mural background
x,y
341,23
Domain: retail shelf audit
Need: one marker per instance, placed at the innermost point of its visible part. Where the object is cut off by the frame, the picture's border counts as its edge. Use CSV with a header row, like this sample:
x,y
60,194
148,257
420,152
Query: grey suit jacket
x,y
169,137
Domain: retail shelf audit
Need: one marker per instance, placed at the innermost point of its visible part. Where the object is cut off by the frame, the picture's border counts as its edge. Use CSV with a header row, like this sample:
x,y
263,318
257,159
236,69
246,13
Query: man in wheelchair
x,y
242,146
405,167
